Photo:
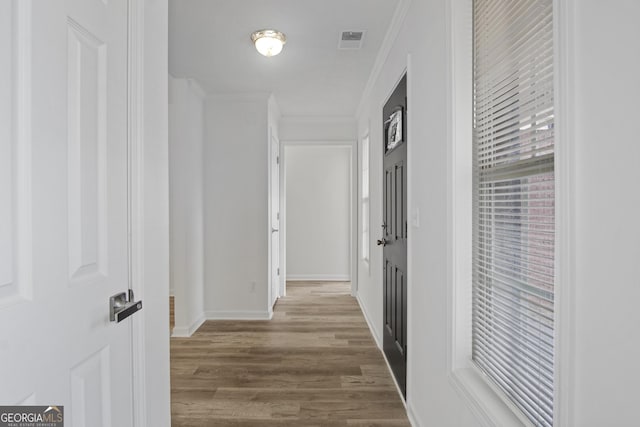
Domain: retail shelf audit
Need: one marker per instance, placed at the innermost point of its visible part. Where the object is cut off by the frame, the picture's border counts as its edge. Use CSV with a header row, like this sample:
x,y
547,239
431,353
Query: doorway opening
x,y
318,205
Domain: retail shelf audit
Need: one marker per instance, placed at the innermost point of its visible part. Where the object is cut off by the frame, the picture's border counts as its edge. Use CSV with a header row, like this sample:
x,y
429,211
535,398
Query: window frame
x,y
487,402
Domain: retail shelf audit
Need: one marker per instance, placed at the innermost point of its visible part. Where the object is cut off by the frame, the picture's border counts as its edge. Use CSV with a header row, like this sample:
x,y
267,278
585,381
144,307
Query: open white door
x,y
64,208
275,219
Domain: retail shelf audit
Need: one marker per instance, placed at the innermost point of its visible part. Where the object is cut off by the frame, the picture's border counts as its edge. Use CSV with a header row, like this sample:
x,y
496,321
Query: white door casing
x,y
63,208
274,215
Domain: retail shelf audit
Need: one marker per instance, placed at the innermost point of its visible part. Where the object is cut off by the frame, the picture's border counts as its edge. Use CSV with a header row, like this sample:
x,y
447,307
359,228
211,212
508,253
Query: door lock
x,y
122,306
382,242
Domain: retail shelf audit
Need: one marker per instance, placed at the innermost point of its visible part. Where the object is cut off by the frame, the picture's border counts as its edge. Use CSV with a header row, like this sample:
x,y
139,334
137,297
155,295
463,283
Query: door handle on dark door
x,y
382,242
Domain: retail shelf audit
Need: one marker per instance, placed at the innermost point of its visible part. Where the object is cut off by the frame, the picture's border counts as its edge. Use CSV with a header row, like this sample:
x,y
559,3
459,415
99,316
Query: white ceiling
x,y
209,42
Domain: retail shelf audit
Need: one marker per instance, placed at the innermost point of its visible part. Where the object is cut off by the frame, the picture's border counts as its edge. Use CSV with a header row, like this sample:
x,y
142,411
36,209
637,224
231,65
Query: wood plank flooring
x,y
314,364
172,313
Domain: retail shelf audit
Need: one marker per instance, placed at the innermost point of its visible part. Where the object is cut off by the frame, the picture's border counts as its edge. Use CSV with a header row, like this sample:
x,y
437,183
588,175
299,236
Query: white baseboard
x,y
378,340
413,419
393,377
180,332
187,331
238,315
319,277
374,331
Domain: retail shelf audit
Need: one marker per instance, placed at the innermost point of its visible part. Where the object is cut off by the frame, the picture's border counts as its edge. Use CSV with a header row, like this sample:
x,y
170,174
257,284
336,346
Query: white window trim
x,y
486,401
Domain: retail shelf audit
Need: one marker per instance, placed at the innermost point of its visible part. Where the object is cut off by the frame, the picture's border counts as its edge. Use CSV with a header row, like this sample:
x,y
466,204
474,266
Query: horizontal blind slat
x,y
531,315
497,269
509,284
516,393
538,350
498,344
535,388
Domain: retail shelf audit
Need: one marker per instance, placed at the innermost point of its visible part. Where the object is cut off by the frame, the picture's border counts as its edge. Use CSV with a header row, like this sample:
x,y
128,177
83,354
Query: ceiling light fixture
x,y
268,42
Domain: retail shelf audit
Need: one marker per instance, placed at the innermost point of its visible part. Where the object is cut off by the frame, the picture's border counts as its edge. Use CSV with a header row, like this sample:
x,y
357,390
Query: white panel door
x,y
63,208
275,220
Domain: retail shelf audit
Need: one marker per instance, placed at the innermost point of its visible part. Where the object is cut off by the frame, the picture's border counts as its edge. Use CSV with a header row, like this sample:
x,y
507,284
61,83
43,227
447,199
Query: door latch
x,y
123,305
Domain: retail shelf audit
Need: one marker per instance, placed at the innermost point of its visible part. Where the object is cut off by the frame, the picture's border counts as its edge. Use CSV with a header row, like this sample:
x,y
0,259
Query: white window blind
x,y
513,205
365,199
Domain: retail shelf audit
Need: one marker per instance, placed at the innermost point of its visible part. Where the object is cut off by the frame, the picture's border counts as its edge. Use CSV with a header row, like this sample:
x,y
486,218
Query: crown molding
x,y
392,34
239,96
318,119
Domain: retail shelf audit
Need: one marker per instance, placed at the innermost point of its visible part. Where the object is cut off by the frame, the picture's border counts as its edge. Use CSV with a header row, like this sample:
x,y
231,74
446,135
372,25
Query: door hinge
x,y
278,216
278,271
278,160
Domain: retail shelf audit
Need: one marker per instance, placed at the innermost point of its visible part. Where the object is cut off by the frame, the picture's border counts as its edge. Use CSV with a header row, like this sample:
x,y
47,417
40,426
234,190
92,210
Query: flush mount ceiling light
x,y
268,42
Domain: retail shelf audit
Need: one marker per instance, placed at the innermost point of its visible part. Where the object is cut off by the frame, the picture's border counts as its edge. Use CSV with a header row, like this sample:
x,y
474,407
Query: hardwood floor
x,y
314,364
172,313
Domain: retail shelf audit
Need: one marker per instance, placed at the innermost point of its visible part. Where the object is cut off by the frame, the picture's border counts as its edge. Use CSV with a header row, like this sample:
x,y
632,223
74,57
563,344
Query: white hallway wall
x,y
215,182
186,127
318,209
606,200
235,206
431,399
604,64
318,129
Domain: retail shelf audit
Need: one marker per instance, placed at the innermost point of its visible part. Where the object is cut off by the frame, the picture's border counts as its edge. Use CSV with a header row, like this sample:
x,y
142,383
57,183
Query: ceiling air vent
x,y
350,40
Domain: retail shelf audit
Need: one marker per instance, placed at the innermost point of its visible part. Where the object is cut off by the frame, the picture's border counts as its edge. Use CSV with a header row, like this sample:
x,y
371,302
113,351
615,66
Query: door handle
x,y
382,242
273,230
121,307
